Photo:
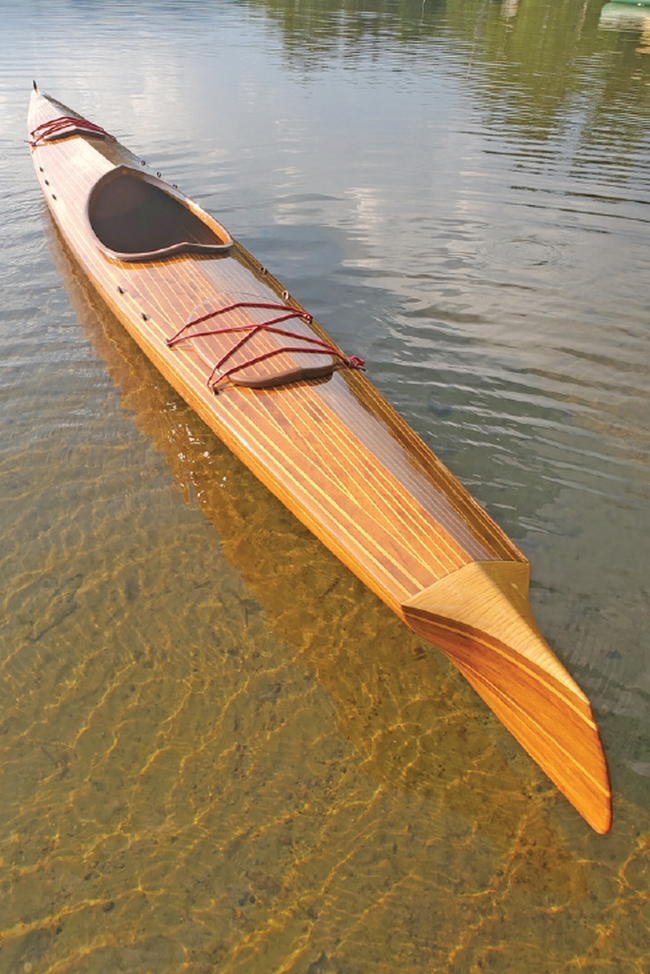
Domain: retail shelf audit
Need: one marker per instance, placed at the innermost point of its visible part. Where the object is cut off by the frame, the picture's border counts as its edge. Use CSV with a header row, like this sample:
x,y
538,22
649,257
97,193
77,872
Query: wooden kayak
x,y
300,413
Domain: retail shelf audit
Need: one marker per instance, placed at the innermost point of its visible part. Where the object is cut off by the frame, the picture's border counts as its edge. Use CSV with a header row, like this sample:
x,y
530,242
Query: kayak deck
x,y
311,426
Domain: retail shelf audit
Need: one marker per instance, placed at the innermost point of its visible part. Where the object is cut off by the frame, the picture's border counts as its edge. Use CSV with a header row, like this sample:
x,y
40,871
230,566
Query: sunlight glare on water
x,y
218,751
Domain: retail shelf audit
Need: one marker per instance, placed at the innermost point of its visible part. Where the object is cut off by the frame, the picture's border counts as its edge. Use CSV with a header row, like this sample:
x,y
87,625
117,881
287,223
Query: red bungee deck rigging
x,y
65,126
310,343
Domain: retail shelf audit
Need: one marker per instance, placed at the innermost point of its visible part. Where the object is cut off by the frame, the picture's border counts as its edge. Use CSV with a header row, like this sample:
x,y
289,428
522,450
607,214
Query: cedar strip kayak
x,y
264,376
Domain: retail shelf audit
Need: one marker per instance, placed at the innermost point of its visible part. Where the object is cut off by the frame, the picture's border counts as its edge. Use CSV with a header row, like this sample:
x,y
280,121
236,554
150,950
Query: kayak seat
x,y
137,217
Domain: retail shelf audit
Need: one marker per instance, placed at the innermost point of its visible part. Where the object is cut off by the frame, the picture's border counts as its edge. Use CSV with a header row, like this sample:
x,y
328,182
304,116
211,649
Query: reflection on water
x,y
218,751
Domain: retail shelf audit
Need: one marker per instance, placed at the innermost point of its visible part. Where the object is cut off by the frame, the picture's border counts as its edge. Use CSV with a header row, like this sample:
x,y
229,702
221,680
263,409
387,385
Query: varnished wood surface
x,y
335,452
495,643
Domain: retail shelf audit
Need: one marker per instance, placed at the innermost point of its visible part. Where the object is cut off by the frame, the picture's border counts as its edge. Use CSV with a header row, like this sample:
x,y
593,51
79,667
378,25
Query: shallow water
x,y
218,751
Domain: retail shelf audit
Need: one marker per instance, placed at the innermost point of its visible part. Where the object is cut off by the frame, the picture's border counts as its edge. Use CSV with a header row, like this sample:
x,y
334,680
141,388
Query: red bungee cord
x,y
57,126
314,345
